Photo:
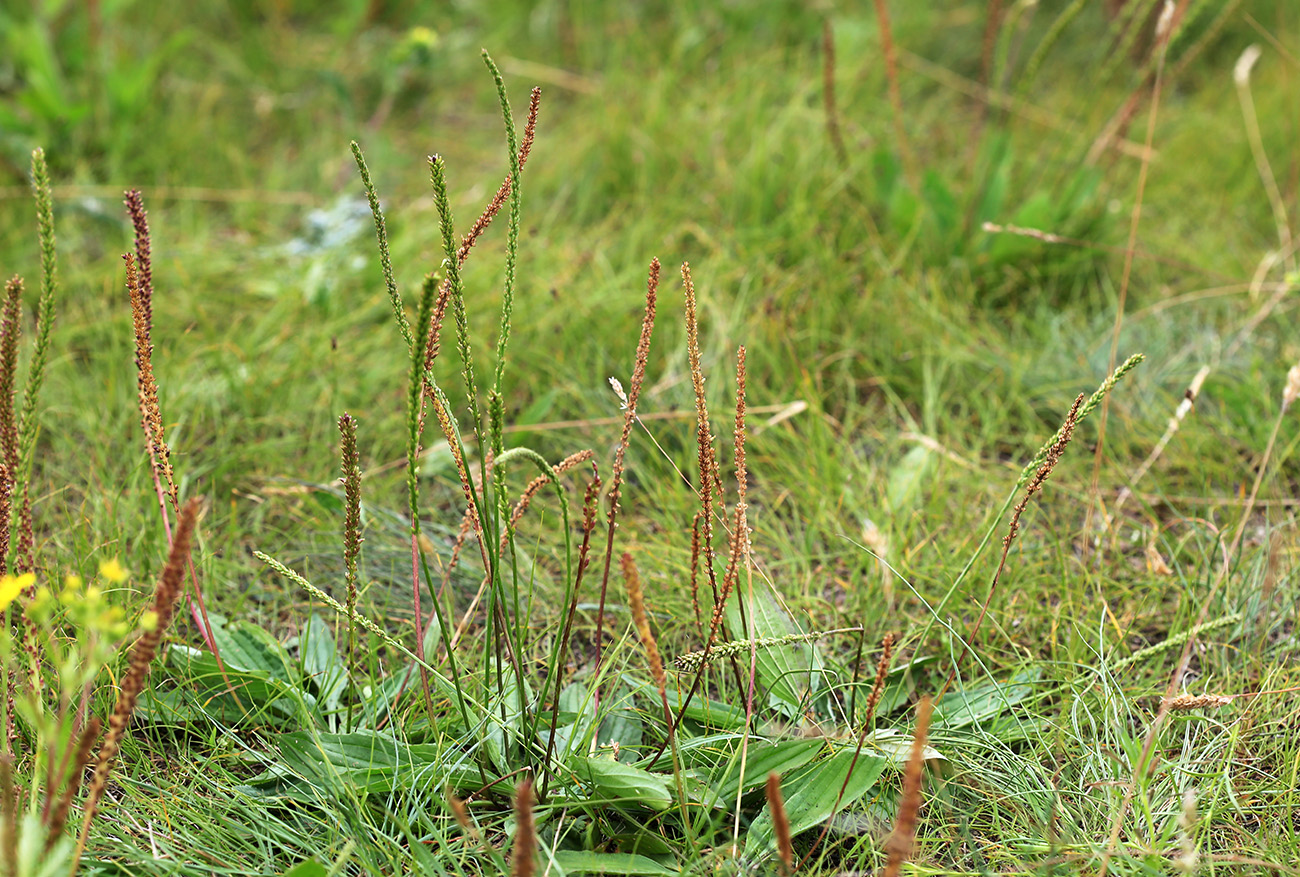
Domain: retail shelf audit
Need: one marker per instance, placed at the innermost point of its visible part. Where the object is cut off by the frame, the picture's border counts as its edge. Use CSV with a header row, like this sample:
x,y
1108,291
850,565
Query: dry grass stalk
x,y
895,96
10,330
433,341
466,485
1130,249
590,505
708,462
1050,457
1185,702
642,621
1175,423
629,418
828,94
780,822
142,655
503,191
525,847
900,842
738,545
1241,77
535,486
59,816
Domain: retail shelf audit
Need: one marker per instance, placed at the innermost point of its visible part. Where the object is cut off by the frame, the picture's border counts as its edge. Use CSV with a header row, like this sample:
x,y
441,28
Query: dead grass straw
x,y
1162,43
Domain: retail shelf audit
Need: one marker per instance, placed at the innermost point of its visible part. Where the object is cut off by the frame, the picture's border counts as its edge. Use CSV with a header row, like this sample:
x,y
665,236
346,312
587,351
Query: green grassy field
x,y
908,353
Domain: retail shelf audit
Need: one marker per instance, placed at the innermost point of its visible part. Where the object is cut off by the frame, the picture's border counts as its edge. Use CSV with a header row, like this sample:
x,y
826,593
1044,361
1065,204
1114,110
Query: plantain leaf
x,y
810,795
621,783
764,757
321,661
790,673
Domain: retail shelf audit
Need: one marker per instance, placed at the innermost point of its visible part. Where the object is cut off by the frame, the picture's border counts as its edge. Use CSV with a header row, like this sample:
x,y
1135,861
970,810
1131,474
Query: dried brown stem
x,y
828,95
629,418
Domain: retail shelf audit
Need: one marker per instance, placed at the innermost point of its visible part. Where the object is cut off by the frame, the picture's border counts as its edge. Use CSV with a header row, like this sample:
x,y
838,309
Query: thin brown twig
x,y
828,94
629,418
910,167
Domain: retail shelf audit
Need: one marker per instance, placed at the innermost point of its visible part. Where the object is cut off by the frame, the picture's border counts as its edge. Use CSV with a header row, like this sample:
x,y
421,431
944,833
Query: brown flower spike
x,y
142,655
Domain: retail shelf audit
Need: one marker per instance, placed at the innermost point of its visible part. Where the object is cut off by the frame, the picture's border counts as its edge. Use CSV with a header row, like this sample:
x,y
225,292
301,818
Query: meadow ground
x,y
928,244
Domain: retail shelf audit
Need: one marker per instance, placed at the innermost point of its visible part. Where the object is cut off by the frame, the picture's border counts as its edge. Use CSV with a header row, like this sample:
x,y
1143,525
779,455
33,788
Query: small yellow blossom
x,y
113,571
149,621
12,586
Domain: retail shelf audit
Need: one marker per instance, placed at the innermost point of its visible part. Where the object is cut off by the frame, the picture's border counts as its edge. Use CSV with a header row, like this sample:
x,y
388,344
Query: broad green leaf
x,y
810,794
373,762
980,703
897,747
582,862
251,696
321,661
309,868
790,673
764,757
622,725
710,713
622,783
246,646
907,478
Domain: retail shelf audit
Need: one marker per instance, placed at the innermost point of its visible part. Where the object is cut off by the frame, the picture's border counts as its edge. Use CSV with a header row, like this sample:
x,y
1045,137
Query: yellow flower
x,y
149,621
12,586
113,570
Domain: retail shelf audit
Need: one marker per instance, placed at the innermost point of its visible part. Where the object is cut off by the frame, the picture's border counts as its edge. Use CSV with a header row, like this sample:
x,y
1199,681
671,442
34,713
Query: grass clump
x,y
467,699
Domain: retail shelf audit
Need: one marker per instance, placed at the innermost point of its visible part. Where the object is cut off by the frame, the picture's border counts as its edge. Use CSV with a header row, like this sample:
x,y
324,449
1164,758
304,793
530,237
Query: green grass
x,y
934,359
